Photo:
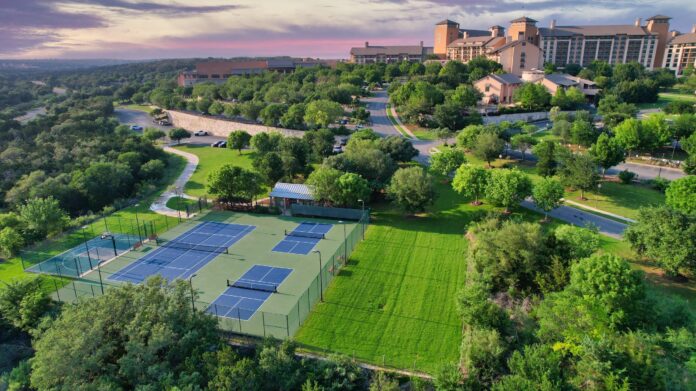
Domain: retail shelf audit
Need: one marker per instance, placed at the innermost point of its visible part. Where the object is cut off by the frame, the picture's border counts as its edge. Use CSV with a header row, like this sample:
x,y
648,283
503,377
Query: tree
x,y
271,115
352,187
324,184
610,281
153,134
234,184
447,161
294,117
43,215
582,133
508,187
538,367
471,181
266,142
23,303
178,134
398,148
607,152
579,172
562,128
216,108
152,169
137,336
629,134
523,142
547,195
666,236
239,139
11,241
488,147
320,142
510,254
581,242
411,188
270,167
382,382
545,152
321,113
101,183
681,194
532,96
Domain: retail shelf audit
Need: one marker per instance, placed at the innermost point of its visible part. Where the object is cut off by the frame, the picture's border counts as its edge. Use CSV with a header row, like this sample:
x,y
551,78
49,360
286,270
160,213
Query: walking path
x,y
604,212
177,189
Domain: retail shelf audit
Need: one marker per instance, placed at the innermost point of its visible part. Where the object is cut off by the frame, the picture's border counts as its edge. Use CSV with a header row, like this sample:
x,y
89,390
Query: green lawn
x,y
143,108
545,135
12,268
209,160
667,97
425,134
180,203
394,123
620,199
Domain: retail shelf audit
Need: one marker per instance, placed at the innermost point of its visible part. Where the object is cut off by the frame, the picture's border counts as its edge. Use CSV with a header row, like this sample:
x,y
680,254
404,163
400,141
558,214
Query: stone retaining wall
x,y
222,127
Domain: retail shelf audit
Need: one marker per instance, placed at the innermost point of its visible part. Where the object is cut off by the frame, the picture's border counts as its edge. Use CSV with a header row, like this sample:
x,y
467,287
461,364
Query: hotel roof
x,y
415,50
506,78
593,30
447,22
523,19
684,38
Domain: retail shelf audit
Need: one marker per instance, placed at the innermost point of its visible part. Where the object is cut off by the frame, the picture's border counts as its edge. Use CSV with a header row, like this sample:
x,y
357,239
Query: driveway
x,y
136,117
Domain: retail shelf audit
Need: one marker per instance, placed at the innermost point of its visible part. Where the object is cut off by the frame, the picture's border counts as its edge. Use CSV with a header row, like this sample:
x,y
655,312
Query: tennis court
x,y
184,255
303,238
85,257
246,295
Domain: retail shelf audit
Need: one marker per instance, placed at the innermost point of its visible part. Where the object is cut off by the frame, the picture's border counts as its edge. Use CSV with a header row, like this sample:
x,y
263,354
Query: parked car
x,y
337,149
216,144
165,123
223,144
359,126
200,133
136,127
343,141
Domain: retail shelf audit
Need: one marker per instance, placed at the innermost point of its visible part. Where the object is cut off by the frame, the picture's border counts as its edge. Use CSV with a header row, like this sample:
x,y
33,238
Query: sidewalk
x,y
602,212
160,204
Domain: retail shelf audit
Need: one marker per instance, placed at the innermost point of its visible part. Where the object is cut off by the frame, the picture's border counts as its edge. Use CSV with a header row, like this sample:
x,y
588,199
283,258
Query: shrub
x,y
659,184
626,176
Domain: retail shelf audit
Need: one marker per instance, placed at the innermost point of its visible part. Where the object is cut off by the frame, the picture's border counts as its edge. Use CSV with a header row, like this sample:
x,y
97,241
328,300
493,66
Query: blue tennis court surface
x,y
242,303
295,243
172,262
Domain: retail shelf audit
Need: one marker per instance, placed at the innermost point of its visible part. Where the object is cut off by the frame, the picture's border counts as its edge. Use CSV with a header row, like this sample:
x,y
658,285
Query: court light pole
x,y
345,245
321,282
137,223
193,303
362,217
84,236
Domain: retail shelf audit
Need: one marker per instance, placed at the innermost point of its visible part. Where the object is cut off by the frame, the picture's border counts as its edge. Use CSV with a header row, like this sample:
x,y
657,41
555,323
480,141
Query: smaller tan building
x,y
555,81
681,52
518,56
370,54
498,89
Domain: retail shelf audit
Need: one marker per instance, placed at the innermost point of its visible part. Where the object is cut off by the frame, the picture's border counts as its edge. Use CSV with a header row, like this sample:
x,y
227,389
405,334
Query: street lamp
x,y
321,279
193,303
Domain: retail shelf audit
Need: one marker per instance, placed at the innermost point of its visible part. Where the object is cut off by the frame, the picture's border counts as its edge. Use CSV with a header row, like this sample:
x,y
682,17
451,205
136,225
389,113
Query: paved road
x,y
135,117
581,218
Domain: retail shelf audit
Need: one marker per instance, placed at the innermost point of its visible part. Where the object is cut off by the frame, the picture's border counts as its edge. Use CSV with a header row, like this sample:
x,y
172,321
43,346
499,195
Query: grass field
x,y
180,203
396,300
620,199
394,123
667,97
143,108
210,159
11,269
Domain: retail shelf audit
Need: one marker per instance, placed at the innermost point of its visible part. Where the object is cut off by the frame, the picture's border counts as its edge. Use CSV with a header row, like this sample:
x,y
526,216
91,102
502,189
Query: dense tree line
x,y
149,337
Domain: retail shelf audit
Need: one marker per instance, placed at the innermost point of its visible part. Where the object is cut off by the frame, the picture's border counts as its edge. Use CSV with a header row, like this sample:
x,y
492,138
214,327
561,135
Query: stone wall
x,y
529,117
222,127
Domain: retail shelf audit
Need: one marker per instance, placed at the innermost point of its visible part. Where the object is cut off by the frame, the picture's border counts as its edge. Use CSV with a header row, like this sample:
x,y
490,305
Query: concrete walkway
x,y
603,212
177,189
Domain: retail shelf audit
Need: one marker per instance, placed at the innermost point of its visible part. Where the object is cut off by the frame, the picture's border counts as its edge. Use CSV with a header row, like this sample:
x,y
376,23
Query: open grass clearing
x,y
666,97
209,160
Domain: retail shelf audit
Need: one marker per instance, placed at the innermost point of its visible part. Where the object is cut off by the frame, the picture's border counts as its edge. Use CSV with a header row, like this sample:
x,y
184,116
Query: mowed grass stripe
x,y
397,298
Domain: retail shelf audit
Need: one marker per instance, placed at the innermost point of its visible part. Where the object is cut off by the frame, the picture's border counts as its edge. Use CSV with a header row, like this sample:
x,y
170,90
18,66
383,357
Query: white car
x,y
136,127
200,133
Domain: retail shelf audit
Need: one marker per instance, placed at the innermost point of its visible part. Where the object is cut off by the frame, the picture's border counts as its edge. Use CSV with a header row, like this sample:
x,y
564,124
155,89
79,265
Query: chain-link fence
x,y
97,280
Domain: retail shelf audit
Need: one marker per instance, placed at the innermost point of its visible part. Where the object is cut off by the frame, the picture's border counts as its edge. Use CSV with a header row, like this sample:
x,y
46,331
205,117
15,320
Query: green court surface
x,y
283,312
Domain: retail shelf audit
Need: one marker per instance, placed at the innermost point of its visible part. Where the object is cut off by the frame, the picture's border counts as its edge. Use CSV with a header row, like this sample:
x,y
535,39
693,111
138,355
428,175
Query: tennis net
x,y
255,286
192,246
301,234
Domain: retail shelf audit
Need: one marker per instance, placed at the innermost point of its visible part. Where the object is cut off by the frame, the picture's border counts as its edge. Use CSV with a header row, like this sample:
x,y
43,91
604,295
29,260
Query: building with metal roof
x,y
285,194
370,54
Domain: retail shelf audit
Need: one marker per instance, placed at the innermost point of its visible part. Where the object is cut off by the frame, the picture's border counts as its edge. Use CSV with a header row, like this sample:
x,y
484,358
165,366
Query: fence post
x,y
106,226
166,222
263,322
74,289
56,286
239,318
77,267
21,259
287,324
152,226
187,211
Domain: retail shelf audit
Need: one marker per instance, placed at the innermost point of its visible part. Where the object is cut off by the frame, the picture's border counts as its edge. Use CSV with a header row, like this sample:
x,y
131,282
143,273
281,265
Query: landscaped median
x,y
398,124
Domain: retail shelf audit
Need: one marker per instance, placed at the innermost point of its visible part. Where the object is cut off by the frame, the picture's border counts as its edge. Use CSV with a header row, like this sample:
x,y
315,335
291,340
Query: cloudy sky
x,y
134,29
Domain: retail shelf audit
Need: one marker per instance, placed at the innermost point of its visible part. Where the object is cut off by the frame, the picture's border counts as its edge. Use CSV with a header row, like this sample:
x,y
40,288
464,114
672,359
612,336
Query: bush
x,y
626,176
679,107
659,184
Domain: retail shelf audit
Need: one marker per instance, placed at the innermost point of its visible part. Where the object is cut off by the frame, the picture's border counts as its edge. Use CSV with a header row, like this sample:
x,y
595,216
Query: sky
x,y
148,29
